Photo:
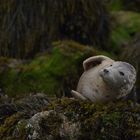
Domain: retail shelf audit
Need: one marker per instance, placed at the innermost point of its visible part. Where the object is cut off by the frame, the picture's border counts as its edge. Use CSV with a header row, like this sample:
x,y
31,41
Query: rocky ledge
x,y
36,118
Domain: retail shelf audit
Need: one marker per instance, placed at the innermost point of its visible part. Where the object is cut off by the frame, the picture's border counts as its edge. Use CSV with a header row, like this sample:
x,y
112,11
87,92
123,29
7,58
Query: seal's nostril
x,y
106,71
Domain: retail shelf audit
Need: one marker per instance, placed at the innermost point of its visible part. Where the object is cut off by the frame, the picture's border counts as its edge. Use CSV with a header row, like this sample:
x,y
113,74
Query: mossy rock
x,y
54,73
71,119
14,128
124,26
114,120
10,125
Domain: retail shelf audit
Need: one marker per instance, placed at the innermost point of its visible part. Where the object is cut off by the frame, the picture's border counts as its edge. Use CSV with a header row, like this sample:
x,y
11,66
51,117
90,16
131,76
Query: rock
x,y
32,104
27,106
6,110
52,125
91,121
4,98
72,119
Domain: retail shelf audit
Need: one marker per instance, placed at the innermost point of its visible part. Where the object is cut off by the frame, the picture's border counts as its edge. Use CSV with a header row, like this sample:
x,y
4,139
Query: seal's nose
x,y
106,71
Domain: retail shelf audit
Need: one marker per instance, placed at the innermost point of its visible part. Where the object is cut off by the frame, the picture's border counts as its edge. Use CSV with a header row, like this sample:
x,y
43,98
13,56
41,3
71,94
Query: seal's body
x,y
105,79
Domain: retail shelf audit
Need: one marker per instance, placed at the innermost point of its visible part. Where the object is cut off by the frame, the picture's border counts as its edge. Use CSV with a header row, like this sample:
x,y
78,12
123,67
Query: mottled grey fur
x,y
105,79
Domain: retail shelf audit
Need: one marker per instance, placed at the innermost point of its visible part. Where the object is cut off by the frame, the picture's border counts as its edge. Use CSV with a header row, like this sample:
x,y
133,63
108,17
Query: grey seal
x,y
105,79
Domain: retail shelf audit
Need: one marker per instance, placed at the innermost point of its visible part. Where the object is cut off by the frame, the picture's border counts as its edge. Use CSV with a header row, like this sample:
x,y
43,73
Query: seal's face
x,y
119,74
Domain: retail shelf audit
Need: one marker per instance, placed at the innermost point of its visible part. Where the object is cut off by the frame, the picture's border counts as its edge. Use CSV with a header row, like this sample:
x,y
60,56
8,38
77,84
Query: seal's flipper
x,y
77,95
94,61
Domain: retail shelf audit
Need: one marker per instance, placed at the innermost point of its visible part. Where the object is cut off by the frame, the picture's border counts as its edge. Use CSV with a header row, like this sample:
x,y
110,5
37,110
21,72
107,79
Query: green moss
x,y
9,126
125,26
114,120
14,127
22,130
55,73
51,124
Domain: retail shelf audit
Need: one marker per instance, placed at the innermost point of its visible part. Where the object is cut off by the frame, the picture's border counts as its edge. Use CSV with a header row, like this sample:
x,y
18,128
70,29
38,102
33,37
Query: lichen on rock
x,y
98,120
72,119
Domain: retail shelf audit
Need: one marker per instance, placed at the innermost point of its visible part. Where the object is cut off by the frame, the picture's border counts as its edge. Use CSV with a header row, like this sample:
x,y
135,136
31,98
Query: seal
x,y
105,79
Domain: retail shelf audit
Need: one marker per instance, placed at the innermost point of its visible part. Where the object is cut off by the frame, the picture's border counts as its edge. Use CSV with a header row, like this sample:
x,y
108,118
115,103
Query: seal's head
x,y
119,75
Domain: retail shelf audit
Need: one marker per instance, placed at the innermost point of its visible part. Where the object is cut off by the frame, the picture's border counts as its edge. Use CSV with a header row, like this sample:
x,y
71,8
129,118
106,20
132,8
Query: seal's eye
x,y
121,73
110,65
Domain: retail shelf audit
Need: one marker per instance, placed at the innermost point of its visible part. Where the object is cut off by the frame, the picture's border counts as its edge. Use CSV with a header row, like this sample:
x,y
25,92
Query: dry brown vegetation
x,y
28,26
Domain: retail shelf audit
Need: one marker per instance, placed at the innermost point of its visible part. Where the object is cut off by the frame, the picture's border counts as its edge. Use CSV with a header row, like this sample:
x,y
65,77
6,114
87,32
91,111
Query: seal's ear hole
x,y
92,64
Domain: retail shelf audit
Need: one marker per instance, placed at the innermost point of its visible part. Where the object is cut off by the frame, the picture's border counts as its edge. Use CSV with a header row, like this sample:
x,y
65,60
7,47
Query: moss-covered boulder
x,y
71,119
54,73
26,105
118,120
125,25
